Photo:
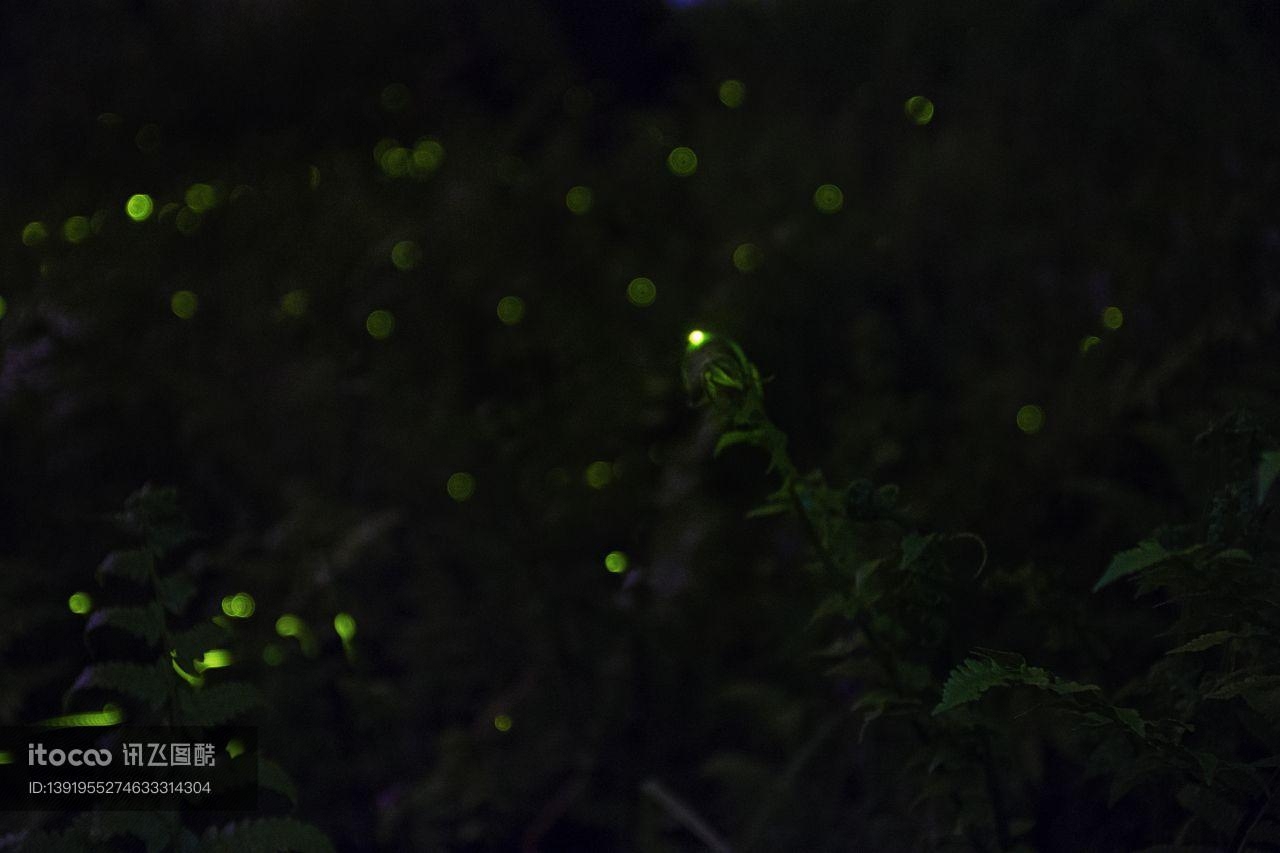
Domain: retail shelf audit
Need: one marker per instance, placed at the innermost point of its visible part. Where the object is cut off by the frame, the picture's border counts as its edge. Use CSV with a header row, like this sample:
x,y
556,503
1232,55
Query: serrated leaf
x,y
135,565
976,676
1268,470
175,592
216,705
1148,553
270,835
145,622
148,683
1204,641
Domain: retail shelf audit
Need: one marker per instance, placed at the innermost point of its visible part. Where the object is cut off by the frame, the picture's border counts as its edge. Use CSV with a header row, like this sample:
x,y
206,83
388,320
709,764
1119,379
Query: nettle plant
x,y
1192,744
167,669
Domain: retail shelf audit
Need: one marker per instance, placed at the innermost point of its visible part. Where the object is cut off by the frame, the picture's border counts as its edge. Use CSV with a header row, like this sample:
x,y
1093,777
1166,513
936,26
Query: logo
x,y
38,755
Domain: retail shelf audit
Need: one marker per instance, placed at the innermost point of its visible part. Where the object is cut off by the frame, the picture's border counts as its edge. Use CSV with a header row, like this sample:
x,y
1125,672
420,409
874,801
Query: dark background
x,y
1082,155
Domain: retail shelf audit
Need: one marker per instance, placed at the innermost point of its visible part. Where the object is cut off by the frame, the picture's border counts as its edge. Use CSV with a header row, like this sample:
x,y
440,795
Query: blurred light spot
x,y
427,156
187,221
697,338
748,257
1030,419
148,139
345,626
828,198
598,475
395,162
76,229
380,324
641,292
682,162
184,304
1089,342
732,93
4,307
80,603
381,147
273,654
295,303
139,207
510,310
502,723
235,747
1113,318
240,606
578,200
110,119
6,757
919,109
110,715
313,179
615,562
34,233
214,659
289,625
460,486
201,197
395,97
405,255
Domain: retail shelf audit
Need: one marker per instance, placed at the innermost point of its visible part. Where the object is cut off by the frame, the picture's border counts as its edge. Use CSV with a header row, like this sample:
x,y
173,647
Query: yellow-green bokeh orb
x,y
295,303
76,229
748,257
344,624
579,199
641,292
184,303
1112,318
427,156
139,207
598,475
682,162
697,338
615,562
201,197
80,603
395,162
732,93
239,606
1030,419
510,310
34,233
919,109
460,486
289,625
380,324
828,198
502,723
1089,342
405,255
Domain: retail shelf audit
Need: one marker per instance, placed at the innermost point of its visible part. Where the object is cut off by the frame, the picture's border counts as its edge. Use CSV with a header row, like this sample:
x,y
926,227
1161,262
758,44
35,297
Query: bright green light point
x,y
380,324
34,233
184,304
578,200
289,625
139,207
732,93
1030,419
80,603
616,562
460,486
502,723
682,162
1113,318
919,109
641,292
214,659
235,747
239,606
697,338
345,626
76,229
828,198
405,255
510,310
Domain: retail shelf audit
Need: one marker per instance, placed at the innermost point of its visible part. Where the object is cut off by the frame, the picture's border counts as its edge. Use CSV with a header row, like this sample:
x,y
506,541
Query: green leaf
x,y
913,548
1268,470
1146,555
976,676
135,565
146,622
1204,641
148,683
270,835
221,703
